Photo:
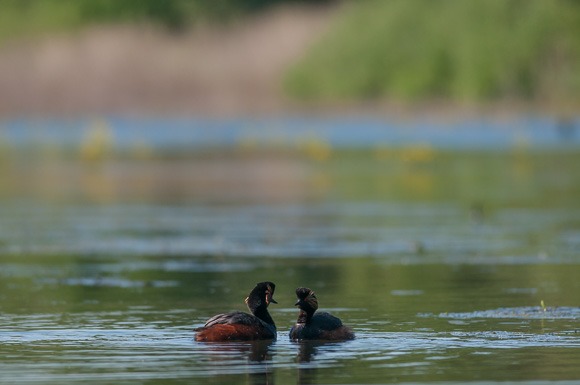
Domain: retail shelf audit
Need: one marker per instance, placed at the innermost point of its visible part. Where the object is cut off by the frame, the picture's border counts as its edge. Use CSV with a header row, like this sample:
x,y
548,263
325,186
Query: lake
x,y
453,252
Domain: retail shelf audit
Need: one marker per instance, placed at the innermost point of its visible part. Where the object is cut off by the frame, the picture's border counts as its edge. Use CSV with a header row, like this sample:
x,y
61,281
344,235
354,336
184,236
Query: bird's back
x,y
322,326
235,326
325,321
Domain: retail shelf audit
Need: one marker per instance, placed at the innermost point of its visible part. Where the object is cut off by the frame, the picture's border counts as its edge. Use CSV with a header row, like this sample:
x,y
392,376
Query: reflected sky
x,y
341,132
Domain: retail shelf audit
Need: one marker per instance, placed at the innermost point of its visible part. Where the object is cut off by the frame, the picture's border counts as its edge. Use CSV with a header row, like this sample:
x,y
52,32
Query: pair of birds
x,y
240,326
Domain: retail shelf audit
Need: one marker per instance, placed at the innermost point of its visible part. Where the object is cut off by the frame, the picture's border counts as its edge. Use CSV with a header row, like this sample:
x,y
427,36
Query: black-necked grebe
x,y
240,326
319,326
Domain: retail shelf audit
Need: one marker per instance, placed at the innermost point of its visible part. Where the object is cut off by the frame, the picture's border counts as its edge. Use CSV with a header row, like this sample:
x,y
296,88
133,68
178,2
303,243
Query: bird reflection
x,y
307,374
260,350
258,357
259,354
308,350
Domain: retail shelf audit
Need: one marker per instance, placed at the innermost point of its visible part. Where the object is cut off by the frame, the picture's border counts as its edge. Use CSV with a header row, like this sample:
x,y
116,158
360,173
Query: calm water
x,y
450,265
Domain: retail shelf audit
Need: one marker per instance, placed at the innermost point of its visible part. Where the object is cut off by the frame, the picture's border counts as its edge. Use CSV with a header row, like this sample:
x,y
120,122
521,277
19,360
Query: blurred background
x,y
121,85
228,58
410,160
269,111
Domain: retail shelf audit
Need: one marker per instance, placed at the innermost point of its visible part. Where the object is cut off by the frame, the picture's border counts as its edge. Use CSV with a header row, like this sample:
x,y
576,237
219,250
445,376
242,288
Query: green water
x,y
449,266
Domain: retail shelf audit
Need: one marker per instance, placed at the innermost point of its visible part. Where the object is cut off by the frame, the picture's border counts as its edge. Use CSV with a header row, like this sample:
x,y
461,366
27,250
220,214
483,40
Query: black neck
x,y
304,317
263,314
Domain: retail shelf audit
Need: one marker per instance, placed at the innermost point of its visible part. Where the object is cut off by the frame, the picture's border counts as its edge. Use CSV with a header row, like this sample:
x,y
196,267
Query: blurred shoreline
x,y
210,72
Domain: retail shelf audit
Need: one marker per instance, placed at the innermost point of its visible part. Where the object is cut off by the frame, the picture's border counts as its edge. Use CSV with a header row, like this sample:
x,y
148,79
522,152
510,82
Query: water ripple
x,y
529,312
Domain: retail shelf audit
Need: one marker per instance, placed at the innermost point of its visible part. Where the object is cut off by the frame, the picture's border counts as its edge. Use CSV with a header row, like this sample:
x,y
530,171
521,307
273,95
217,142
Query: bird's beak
x,y
297,303
269,298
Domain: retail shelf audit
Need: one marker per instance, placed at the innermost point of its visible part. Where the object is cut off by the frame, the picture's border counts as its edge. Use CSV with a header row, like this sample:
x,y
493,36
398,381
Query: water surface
x,y
451,265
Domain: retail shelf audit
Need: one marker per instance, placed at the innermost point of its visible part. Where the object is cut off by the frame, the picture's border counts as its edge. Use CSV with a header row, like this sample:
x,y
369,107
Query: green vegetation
x,y
449,49
412,50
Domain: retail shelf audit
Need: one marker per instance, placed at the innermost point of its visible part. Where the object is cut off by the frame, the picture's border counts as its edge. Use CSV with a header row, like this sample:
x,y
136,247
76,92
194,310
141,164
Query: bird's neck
x,y
304,317
263,314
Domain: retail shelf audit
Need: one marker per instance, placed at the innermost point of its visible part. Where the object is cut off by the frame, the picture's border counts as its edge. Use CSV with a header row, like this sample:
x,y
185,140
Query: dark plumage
x,y
319,326
240,326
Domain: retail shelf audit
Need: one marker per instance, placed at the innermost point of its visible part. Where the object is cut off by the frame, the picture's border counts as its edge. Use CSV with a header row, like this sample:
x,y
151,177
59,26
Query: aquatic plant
x,y
467,50
98,142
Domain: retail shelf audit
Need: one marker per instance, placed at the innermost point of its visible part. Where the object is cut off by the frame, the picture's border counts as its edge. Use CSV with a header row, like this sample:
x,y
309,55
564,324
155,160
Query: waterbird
x,y
240,326
319,326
